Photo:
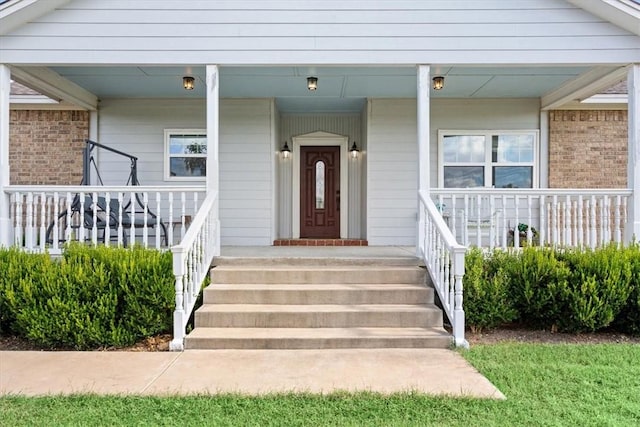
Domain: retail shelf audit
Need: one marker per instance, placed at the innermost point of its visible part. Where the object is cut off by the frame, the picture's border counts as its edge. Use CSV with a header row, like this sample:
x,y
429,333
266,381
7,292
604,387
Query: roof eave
x,y
622,13
16,13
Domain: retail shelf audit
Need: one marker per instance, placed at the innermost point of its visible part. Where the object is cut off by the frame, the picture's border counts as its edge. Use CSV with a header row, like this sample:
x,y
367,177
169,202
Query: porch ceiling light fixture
x,y
286,152
312,83
188,82
354,151
438,82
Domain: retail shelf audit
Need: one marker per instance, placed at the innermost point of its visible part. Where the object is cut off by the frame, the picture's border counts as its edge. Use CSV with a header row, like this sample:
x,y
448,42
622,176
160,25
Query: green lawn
x,y
564,385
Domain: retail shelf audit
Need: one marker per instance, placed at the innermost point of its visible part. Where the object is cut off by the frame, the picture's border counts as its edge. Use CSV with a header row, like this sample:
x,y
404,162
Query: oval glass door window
x,y
320,184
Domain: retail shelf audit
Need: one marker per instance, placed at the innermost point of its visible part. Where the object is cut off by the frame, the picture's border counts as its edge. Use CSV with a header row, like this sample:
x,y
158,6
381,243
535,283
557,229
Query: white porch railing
x,y
45,217
540,217
444,259
191,263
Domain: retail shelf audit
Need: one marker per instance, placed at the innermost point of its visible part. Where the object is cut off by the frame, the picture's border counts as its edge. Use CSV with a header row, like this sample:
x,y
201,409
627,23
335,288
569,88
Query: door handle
x,y
338,200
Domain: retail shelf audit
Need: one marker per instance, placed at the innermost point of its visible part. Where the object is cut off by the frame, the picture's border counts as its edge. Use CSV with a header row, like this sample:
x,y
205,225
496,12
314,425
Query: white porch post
x,y
5,220
213,125
632,229
424,119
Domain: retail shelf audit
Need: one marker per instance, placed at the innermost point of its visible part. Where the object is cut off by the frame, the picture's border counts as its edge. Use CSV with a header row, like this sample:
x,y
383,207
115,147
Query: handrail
x,y
191,263
444,259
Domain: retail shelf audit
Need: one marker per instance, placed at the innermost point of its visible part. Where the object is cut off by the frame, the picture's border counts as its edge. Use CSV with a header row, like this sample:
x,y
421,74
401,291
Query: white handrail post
x,y
5,200
179,314
424,116
458,311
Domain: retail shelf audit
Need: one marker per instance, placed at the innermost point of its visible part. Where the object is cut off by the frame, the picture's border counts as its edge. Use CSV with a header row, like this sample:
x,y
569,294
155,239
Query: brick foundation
x,y
588,149
45,147
320,242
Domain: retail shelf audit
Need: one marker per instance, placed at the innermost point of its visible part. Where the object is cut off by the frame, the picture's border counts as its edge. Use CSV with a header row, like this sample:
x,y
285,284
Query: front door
x,y
320,192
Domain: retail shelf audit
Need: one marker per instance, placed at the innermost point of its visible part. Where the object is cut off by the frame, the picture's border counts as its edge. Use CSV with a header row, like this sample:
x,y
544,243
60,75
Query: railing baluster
x,y
94,219
107,219
170,226
158,223
529,222
616,217
516,230
18,227
567,220
580,221
145,213
120,228
183,214
132,211
43,221
593,241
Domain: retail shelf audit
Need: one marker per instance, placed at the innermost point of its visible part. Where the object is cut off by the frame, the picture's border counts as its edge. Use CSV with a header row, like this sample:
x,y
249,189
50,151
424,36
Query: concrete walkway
x,y
430,371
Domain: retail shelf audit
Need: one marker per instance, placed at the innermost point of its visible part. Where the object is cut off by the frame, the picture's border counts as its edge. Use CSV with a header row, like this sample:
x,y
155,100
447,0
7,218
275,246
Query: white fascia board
x,y
584,86
622,13
14,14
53,85
607,98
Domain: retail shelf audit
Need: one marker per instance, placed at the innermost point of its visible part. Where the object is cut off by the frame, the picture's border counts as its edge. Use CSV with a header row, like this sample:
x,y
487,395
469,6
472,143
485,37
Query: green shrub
x,y
599,287
92,297
539,287
628,320
487,302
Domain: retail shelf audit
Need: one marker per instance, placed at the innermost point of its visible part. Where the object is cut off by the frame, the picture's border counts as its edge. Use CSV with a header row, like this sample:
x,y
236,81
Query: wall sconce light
x,y
354,151
438,82
189,83
312,83
286,152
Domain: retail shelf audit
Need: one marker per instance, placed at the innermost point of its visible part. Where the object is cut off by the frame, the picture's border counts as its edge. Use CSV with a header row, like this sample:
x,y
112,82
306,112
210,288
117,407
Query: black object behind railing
x,y
87,160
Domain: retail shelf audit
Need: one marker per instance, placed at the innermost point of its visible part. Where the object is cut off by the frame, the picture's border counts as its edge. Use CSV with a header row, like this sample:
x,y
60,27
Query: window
x,y
488,159
185,154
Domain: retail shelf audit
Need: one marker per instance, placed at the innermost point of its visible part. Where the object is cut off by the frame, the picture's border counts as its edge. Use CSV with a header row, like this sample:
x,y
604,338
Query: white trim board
x,y
322,139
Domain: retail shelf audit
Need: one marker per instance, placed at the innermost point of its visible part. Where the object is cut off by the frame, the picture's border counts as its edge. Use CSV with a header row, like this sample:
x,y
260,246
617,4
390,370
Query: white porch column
x,y
213,139
5,220
632,228
424,122
213,104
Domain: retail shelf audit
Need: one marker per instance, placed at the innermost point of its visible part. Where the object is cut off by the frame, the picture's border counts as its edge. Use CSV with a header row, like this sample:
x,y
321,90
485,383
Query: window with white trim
x,y
500,159
185,155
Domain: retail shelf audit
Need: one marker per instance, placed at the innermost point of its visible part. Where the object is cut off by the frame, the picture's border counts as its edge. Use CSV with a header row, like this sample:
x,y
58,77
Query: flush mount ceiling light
x,y
312,83
188,82
438,82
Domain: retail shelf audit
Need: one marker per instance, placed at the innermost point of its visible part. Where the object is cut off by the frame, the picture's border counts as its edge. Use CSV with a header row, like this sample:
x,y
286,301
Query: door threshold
x,y
320,242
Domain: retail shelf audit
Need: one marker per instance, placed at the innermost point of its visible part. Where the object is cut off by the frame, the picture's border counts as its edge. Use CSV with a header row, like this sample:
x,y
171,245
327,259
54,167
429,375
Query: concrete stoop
x,y
317,304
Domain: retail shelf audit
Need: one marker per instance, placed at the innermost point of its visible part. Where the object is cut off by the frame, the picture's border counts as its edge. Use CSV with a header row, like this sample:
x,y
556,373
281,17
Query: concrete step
x,y
305,260
316,338
318,316
317,274
296,294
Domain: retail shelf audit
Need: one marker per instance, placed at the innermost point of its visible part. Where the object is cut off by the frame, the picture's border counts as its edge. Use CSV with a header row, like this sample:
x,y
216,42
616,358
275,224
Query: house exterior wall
x,y
45,147
246,155
250,32
588,149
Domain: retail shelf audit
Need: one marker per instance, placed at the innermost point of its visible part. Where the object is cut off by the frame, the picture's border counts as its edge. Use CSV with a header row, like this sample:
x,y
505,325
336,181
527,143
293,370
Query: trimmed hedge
x,y
92,297
572,290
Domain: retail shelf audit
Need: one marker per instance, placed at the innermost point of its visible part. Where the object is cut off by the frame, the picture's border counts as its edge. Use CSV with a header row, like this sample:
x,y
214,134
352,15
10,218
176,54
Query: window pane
x,y
188,166
513,176
512,148
320,185
463,176
188,144
463,148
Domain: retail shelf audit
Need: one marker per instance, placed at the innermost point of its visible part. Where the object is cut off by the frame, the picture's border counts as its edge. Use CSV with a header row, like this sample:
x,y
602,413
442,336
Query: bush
x,y
487,302
539,287
599,287
628,320
92,297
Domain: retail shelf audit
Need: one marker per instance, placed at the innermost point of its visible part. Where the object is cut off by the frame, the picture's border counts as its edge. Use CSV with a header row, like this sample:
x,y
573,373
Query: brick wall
x,y
588,149
45,147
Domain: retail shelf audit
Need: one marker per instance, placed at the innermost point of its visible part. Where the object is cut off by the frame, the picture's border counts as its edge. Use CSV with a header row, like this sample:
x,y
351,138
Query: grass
x,y
546,385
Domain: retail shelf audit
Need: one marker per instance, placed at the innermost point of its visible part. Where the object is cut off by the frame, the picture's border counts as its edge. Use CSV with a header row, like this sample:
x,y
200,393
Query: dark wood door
x,y
320,192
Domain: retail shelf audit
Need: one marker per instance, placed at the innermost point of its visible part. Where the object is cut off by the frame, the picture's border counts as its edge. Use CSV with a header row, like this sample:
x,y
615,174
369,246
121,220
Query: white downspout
x,y
5,202
632,228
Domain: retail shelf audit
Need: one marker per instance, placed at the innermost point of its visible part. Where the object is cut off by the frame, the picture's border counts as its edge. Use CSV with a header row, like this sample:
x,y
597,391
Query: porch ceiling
x,y
340,89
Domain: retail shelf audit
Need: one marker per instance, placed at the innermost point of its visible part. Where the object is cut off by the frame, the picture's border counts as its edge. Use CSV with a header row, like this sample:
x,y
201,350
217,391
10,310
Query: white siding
x,y
246,155
392,169
319,32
